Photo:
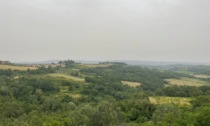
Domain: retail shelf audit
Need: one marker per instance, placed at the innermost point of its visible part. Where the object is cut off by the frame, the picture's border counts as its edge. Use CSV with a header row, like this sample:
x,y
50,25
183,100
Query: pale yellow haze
x,y
159,30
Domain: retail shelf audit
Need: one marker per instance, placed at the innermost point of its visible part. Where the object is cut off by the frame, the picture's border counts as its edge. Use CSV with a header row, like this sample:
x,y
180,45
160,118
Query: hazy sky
x,y
152,30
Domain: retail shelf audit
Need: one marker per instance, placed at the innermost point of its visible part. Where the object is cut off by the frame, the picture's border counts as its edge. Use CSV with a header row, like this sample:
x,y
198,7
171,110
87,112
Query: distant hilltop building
x,y
5,62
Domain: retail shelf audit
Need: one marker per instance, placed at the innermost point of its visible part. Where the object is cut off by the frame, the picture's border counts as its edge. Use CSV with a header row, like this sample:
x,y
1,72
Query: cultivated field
x,y
186,82
202,76
170,100
22,68
67,77
131,84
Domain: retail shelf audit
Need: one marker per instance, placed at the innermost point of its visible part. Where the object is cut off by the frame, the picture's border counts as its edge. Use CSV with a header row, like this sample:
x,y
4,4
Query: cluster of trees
x,y
170,115
32,101
42,70
151,79
184,91
200,69
102,87
67,63
7,72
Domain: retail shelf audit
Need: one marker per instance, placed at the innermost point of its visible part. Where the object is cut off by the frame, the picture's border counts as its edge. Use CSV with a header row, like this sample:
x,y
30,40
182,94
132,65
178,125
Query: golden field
x,y
22,68
131,84
170,100
67,77
186,82
202,76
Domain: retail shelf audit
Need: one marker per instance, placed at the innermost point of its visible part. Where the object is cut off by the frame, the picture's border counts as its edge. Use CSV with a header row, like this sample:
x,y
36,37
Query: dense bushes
x,y
37,99
183,91
151,79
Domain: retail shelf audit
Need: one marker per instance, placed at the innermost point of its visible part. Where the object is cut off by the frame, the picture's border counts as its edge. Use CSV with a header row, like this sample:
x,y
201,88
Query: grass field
x,y
67,77
131,84
170,100
202,76
22,68
186,82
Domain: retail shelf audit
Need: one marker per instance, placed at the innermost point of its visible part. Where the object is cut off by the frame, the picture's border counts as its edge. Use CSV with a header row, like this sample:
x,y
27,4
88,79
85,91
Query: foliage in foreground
x,y
34,99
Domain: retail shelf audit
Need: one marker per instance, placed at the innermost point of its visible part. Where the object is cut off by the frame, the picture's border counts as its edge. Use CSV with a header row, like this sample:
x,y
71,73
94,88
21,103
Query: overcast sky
x,y
151,30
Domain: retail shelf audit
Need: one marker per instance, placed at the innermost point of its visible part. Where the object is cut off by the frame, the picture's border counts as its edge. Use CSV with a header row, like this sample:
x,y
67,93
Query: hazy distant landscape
x,y
129,62
104,63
